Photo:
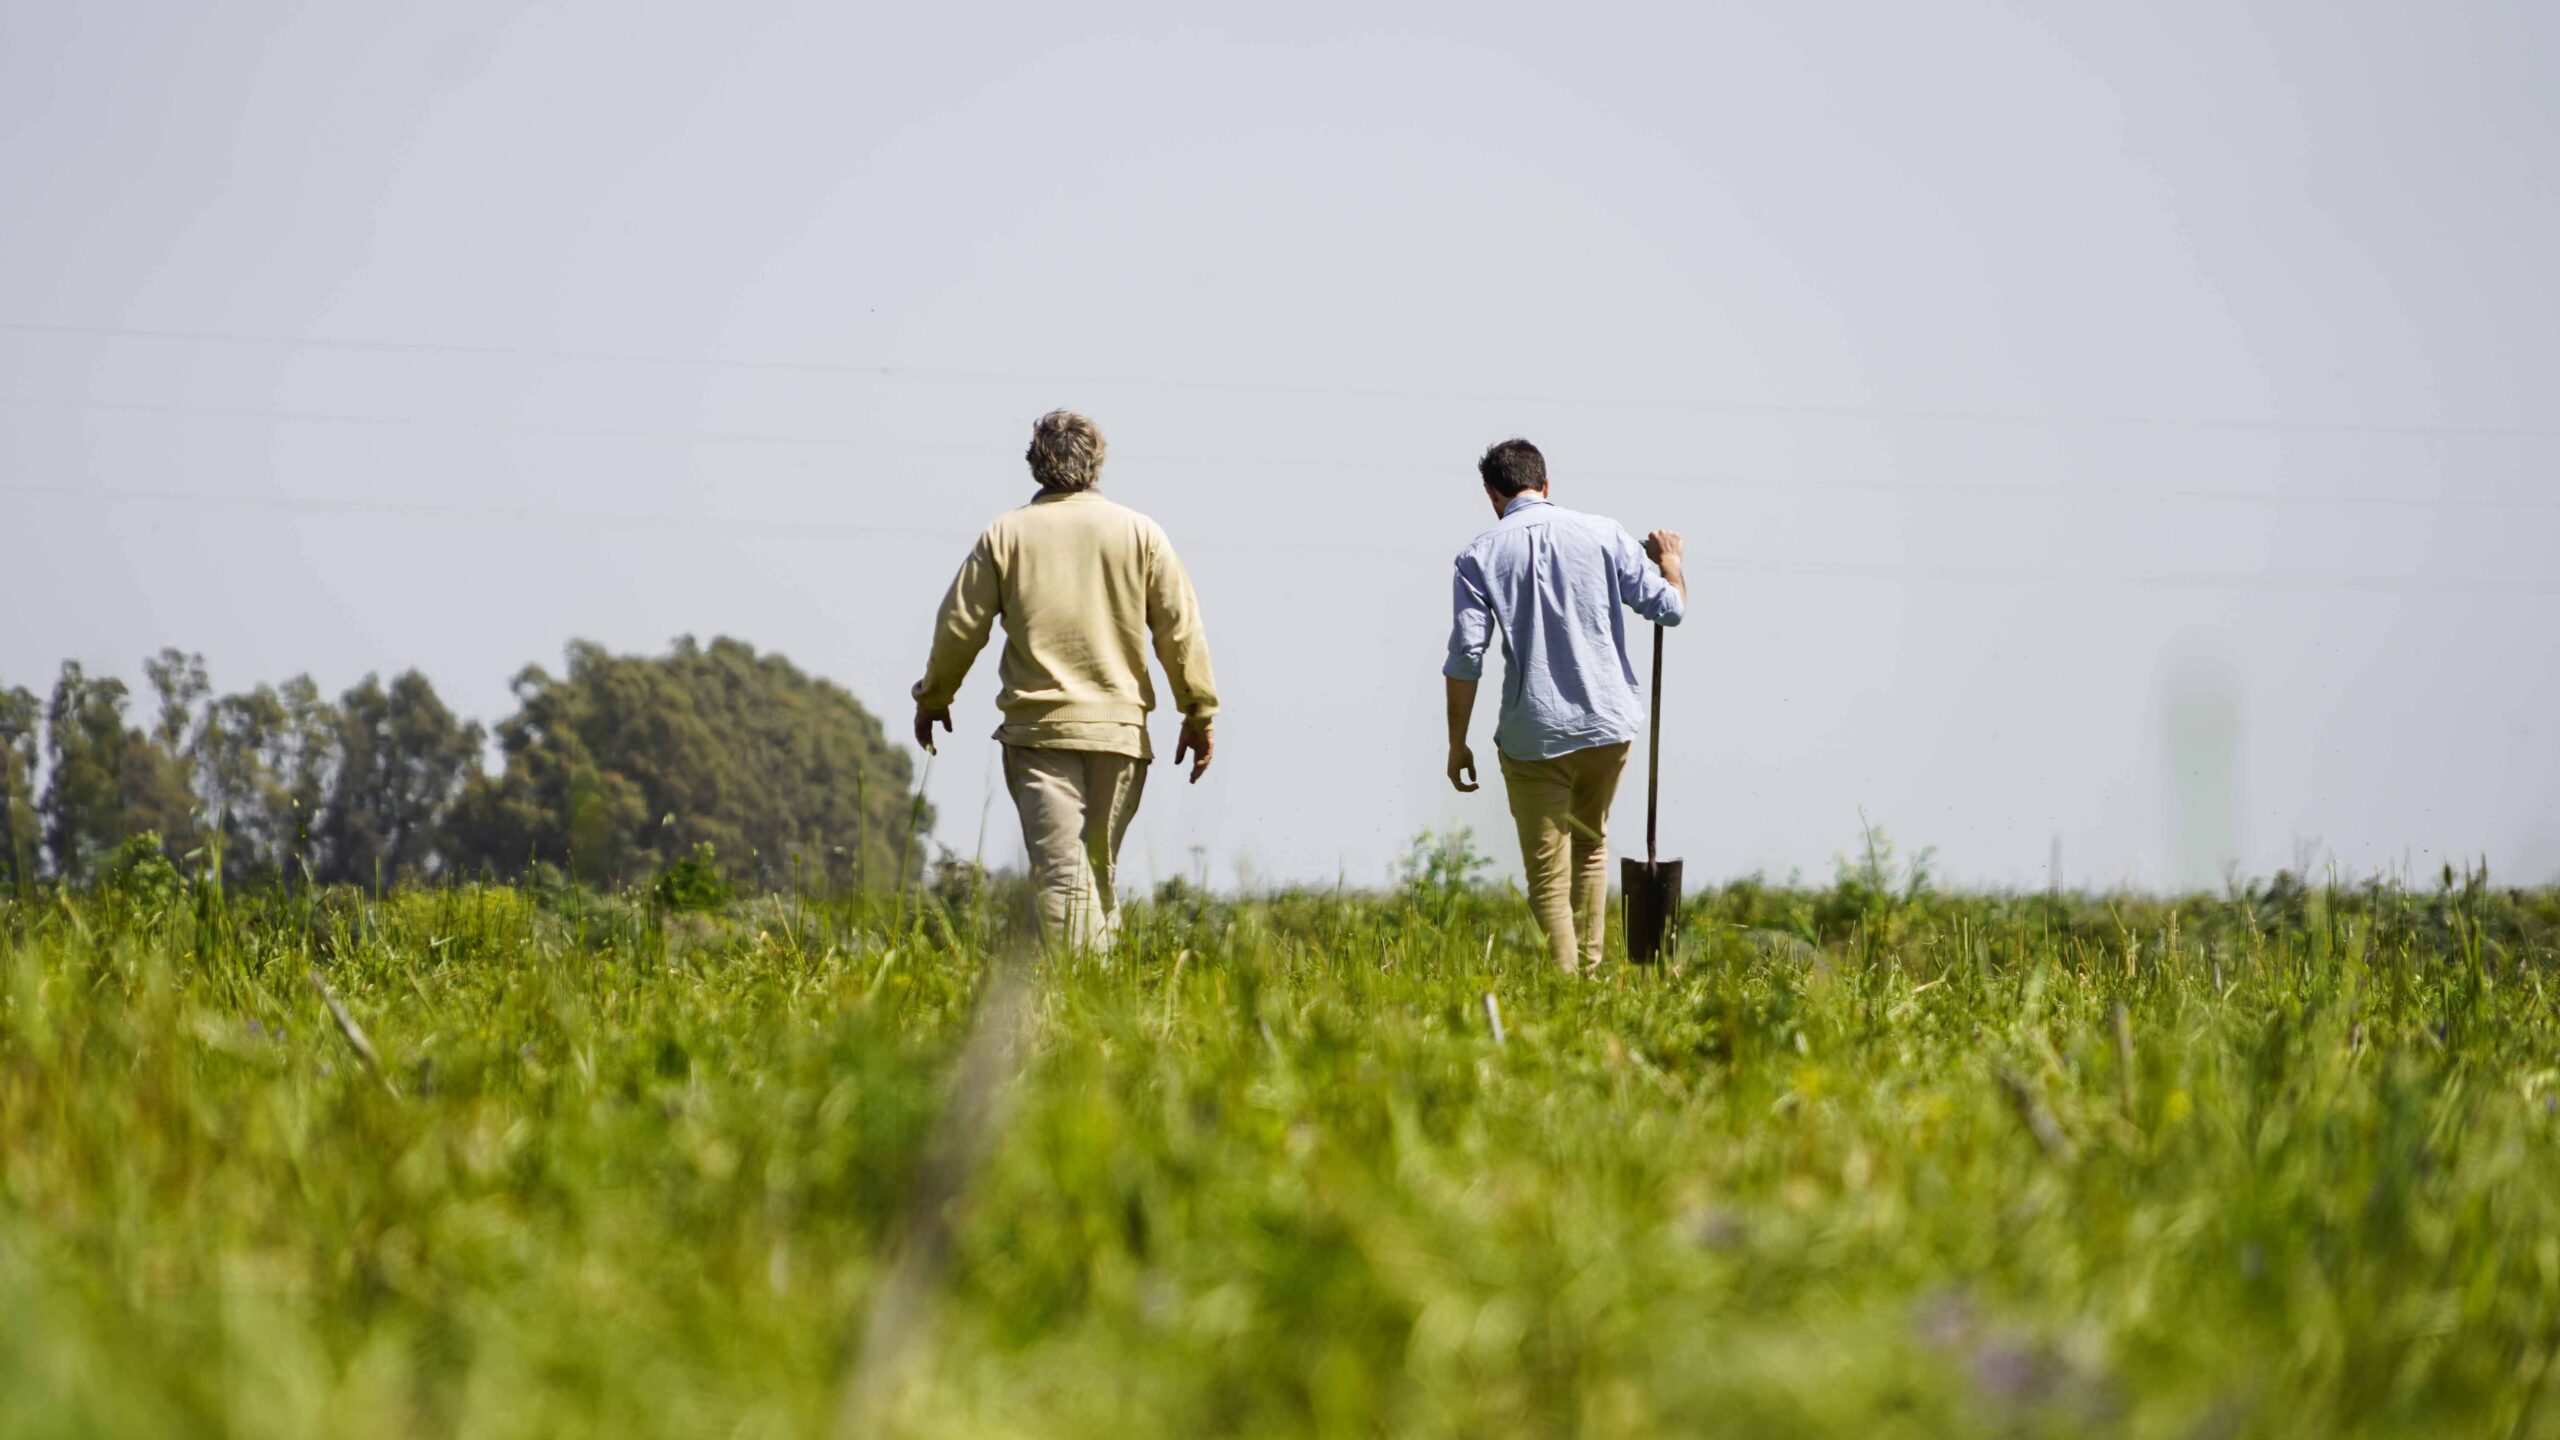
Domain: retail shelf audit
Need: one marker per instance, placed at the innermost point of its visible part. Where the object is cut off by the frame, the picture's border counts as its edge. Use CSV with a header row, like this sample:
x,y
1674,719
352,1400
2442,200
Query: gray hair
x,y
1066,452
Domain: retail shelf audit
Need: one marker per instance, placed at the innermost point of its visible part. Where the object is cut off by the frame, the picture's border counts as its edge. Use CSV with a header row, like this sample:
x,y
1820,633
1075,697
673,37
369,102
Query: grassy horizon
x,y
1869,1160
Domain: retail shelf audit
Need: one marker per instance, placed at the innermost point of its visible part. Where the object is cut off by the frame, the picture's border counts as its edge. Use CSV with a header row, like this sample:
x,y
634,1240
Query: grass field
x,y
1867,1162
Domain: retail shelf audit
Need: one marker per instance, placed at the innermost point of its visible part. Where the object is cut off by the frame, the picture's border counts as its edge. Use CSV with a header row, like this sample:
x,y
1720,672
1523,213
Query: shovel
x,y
1651,886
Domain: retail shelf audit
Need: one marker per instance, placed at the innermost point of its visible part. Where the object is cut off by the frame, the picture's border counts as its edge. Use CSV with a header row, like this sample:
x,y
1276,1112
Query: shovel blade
x,y
1651,889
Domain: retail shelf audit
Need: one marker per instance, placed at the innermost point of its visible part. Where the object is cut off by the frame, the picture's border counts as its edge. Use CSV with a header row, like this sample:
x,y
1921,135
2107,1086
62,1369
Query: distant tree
x,y
21,835
264,760
401,759
104,780
85,745
554,803
157,782
178,680
628,762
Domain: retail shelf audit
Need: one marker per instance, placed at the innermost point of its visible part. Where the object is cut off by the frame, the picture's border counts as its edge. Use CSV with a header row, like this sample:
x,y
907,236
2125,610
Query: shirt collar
x,y
1523,501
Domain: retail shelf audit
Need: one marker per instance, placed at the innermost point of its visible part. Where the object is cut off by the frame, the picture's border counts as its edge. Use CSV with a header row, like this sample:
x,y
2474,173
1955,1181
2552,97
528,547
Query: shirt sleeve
x,y
1182,647
1641,586
1470,623
961,627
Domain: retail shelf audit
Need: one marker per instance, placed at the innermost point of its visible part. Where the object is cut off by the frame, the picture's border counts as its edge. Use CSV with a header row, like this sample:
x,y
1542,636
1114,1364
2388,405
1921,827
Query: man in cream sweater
x,y
1084,586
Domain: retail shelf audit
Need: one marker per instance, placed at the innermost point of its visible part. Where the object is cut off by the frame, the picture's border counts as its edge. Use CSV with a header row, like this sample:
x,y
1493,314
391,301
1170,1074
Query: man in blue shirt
x,y
1551,581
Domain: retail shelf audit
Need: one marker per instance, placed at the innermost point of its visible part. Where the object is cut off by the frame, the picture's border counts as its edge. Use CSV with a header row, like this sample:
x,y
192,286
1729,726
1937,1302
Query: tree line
x,y
606,773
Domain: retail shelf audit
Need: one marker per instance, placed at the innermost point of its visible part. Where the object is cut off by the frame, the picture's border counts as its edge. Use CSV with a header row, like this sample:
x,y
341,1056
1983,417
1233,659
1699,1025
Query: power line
x,y
514,514
809,529
435,422
2077,492
1198,384
1714,479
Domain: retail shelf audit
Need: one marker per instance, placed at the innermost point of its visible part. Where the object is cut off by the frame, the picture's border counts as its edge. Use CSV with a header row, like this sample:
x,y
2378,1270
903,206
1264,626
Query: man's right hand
x,y
926,720
1462,767
1663,546
1195,743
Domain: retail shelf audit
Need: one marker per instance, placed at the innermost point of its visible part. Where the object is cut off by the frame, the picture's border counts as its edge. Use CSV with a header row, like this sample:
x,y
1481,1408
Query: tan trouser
x,y
1562,807
1076,806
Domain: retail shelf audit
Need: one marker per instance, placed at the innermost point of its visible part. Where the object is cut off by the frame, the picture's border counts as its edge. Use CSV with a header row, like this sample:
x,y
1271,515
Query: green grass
x,y
1863,1164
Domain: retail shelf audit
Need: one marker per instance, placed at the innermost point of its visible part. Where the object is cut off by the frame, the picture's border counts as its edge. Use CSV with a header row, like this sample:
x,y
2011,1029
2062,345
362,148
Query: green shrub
x,y
694,882
139,871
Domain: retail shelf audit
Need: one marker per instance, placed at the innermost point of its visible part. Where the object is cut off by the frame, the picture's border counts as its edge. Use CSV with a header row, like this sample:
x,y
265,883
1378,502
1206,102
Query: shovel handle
x,y
1653,754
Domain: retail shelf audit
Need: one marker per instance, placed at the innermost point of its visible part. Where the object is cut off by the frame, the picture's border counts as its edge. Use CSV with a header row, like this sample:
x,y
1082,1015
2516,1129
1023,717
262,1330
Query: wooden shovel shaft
x,y
1653,754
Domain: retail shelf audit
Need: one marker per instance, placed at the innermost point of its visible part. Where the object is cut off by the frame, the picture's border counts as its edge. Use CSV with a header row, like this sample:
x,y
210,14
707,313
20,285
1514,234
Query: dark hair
x,y
1511,467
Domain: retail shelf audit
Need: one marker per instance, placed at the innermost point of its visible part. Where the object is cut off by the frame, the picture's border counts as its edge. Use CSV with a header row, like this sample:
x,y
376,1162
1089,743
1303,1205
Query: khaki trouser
x,y
1076,806
1562,807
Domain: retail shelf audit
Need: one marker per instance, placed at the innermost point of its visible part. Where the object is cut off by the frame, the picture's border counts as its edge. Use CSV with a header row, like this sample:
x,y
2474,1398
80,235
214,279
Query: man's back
x,y
1073,573
1550,582
1085,588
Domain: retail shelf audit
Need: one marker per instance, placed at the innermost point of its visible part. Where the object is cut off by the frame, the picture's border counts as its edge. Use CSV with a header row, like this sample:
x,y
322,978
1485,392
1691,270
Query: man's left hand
x,y
1462,767
1195,744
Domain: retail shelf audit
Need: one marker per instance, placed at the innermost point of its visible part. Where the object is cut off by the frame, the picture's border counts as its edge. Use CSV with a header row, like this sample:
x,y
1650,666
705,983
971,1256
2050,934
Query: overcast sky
x,y
2131,428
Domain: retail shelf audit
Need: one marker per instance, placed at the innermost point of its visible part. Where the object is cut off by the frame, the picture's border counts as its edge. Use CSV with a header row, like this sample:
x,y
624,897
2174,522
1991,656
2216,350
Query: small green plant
x,y
1445,864
139,871
693,883
955,882
1871,887
1441,872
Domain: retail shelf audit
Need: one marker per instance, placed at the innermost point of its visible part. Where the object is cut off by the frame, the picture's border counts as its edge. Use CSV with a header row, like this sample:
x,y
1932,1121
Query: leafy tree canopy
x,y
614,772
628,762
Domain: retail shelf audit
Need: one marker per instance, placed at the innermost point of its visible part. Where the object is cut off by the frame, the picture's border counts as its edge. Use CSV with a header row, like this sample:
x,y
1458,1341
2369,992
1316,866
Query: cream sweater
x,y
1084,585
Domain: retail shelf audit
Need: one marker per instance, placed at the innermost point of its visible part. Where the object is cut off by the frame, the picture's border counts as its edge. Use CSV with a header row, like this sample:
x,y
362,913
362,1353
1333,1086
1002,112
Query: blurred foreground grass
x,y
1865,1163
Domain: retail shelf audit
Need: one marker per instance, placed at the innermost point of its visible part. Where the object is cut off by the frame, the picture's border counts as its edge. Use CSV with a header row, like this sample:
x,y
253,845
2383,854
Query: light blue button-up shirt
x,y
1552,580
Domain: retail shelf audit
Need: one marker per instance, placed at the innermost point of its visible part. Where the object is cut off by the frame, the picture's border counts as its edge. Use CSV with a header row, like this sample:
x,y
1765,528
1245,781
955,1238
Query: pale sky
x,y
2131,426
